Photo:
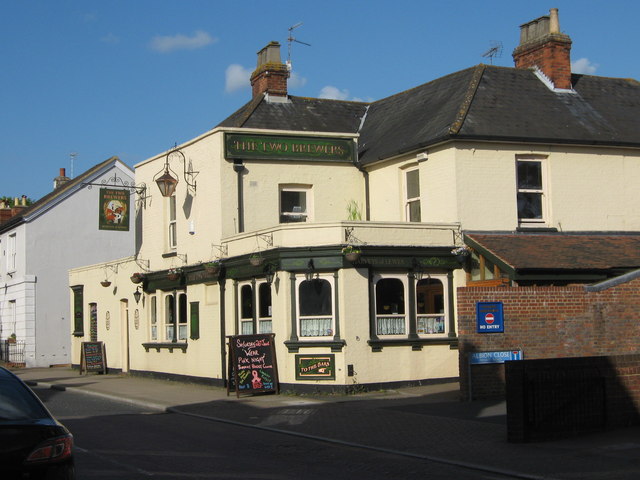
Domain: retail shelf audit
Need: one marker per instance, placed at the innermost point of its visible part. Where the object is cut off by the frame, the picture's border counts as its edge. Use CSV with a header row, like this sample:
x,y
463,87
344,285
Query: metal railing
x,y
12,352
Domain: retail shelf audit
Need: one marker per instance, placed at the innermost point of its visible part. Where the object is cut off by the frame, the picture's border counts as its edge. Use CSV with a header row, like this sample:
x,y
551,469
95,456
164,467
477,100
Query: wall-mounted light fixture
x,y
167,182
308,275
137,294
269,274
418,272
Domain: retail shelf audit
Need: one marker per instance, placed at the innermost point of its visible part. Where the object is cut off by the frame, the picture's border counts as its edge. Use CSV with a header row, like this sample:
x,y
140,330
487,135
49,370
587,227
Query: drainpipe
x,y
238,167
365,174
223,333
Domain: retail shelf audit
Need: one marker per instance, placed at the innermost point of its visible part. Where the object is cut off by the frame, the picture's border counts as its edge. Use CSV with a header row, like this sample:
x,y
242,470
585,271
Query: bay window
x,y
246,309
410,308
175,315
391,316
315,307
264,308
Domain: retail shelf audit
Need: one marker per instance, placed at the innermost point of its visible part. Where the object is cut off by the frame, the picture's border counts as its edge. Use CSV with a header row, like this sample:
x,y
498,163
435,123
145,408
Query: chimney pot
x,y
61,179
270,75
543,46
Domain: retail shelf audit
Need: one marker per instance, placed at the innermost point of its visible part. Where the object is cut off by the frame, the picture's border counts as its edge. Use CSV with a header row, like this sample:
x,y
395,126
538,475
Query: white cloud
x,y
333,93
166,44
110,38
296,81
236,78
585,66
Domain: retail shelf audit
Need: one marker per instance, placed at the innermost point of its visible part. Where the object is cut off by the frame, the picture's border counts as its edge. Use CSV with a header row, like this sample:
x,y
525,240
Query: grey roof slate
x,y
479,103
299,114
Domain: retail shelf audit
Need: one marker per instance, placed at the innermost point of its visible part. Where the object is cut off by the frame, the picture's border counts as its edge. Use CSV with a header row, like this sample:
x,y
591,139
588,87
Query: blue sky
x,y
132,77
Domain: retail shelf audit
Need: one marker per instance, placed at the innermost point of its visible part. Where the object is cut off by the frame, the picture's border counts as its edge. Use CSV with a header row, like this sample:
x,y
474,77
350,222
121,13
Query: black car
x,y
33,444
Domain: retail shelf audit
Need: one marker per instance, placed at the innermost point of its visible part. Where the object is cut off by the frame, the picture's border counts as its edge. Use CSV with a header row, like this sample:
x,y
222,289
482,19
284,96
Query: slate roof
x,y
480,103
559,251
52,196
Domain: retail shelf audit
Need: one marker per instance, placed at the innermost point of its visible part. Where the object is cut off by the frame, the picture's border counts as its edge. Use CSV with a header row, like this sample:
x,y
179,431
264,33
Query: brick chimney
x,y
5,212
270,76
543,46
60,180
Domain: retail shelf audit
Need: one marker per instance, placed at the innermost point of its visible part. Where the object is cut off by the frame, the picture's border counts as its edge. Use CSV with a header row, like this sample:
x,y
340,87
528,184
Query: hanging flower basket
x,y
174,274
137,278
105,283
256,260
351,253
461,253
212,268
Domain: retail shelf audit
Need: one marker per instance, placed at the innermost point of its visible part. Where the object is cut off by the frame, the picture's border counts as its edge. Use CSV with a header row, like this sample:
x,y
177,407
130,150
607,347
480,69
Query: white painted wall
x,y
51,242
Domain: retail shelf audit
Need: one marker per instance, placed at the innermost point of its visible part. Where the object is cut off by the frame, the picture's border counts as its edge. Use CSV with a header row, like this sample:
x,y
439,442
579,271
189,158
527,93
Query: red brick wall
x,y
547,322
553,57
271,79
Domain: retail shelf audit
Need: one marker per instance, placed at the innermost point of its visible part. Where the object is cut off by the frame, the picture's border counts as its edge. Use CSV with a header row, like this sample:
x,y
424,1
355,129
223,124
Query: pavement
x,y
428,422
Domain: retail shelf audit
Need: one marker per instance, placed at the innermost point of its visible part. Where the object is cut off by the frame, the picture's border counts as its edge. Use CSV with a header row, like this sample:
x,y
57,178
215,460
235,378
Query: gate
x,y
12,353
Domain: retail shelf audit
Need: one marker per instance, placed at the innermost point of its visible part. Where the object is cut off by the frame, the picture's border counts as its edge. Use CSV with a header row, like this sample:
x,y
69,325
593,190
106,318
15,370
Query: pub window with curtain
x,y
315,307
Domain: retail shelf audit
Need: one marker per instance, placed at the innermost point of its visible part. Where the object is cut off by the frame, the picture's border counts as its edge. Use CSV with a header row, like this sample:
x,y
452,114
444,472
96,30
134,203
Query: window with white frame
x,y
530,174
11,317
390,294
246,309
412,195
431,307
153,318
295,203
315,307
11,253
264,308
176,320
394,318
172,233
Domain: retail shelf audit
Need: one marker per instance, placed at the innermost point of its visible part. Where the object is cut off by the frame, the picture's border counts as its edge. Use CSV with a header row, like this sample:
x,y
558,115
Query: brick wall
x,y
552,56
547,322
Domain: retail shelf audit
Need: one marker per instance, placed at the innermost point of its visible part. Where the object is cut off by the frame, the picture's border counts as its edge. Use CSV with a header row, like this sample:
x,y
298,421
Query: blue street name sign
x,y
489,317
477,358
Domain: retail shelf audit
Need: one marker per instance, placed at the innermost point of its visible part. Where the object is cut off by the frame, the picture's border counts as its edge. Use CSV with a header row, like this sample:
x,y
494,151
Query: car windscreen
x,y
17,402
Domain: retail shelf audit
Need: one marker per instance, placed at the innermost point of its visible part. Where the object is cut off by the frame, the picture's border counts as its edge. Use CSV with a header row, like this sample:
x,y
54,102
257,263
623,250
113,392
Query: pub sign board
x,y
93,357
489,317
114,209
315,367
279,147
252,364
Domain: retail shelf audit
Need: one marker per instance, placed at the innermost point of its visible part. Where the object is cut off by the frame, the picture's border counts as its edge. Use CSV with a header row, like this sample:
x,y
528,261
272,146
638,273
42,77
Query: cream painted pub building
x,y
268,204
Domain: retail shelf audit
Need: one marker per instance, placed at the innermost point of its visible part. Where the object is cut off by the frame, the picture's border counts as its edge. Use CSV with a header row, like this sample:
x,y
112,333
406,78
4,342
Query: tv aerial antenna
x,y
73,156
494,52
292,39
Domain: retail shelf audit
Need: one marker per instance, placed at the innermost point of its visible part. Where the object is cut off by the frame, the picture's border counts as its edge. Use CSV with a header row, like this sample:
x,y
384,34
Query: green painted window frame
x,y
194,314
78,310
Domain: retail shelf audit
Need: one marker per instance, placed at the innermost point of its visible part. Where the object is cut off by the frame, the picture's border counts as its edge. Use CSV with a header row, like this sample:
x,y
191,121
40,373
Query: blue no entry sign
x,y
489,317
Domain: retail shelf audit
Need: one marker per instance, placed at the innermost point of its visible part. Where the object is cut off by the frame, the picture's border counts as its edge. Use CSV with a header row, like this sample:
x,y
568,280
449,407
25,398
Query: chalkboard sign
x,y
93,357
252,364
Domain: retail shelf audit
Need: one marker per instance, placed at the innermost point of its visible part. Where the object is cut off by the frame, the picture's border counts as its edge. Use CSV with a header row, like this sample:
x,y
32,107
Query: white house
x,y
43,241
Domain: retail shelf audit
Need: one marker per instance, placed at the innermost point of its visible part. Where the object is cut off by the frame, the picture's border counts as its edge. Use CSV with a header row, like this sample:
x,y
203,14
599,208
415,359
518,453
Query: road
x,y
117,440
